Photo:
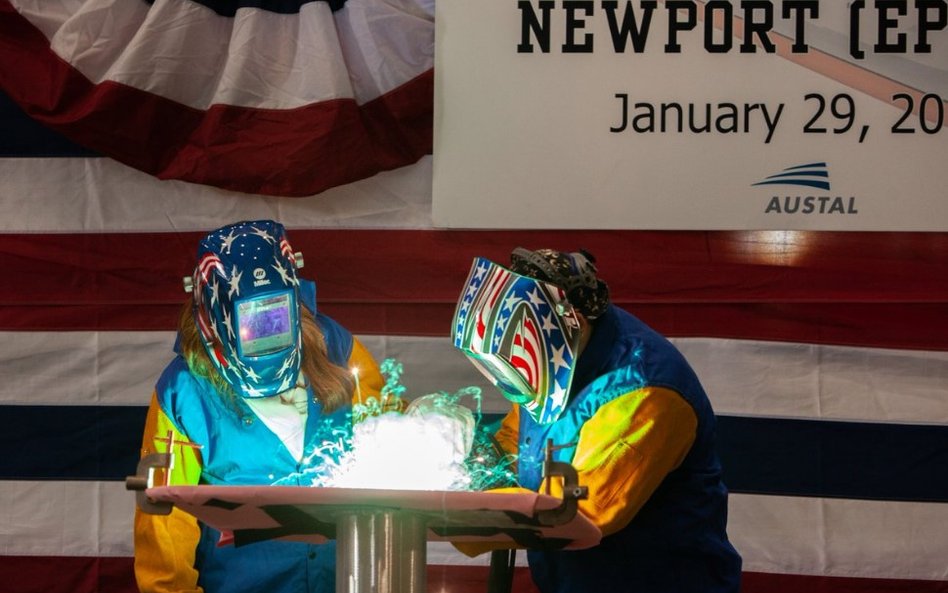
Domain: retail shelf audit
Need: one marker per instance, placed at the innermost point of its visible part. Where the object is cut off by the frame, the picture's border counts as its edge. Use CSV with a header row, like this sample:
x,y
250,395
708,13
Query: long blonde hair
x,y
330,382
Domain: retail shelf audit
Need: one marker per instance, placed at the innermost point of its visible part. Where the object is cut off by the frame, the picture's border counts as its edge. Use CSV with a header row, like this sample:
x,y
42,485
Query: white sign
x,y
691,115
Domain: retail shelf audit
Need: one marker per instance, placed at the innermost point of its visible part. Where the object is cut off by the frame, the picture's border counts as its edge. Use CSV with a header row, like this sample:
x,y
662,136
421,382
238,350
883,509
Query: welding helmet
x,y
522,334
246,306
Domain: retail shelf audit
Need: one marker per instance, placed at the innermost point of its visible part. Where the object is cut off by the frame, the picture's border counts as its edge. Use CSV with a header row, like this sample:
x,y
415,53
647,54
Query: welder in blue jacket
x,y
260,381
629,412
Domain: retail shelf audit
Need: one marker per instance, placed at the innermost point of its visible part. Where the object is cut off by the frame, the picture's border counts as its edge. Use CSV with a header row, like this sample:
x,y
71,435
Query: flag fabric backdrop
x,y
825,354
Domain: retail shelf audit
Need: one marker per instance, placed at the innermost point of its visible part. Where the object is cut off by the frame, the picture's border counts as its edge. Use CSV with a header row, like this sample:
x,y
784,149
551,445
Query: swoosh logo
x,y
809,175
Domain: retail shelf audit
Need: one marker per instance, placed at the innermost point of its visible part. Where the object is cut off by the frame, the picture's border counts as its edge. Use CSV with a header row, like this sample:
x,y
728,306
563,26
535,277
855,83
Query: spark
x,y
437,443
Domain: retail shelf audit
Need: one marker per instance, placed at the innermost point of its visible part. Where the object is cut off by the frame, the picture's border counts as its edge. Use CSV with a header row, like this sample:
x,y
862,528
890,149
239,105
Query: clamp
x,y
572,491
144,477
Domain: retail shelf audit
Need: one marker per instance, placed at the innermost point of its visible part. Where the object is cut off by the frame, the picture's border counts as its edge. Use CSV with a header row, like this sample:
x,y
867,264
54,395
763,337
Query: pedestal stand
x,y
381,535
381,551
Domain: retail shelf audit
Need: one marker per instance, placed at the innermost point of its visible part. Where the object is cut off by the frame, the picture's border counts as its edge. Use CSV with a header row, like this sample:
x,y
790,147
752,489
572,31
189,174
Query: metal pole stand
x,y
380,548
381,551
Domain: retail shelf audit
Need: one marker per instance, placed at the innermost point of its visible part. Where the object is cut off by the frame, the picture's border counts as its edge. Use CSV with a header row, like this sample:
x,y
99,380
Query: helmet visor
x,y
266,324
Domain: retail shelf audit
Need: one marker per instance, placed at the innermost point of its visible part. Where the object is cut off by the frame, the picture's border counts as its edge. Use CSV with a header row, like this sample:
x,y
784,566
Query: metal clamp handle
x,y
144,478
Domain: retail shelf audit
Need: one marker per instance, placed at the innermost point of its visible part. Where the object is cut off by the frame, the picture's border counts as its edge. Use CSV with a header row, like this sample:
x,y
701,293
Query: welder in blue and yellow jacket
x,y
627,410
260,381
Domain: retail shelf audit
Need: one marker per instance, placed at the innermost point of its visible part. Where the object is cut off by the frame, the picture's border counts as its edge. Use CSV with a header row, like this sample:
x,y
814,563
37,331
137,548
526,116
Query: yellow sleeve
x,y
508,435
370,380
625,451
165,544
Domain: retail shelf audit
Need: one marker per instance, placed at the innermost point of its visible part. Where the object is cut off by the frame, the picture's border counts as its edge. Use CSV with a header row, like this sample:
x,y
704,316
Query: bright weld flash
x,y
434,445
423,449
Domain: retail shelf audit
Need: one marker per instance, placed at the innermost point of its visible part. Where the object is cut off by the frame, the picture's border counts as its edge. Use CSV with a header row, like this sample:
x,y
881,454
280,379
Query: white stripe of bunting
x,y
749,378
101,195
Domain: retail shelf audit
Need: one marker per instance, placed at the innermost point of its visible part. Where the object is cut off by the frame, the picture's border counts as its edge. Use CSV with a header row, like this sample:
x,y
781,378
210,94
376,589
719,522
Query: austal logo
x,y
810,176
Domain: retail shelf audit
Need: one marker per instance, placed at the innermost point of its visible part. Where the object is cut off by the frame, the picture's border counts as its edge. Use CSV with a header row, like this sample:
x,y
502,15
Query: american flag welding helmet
x,y
246,306
522,334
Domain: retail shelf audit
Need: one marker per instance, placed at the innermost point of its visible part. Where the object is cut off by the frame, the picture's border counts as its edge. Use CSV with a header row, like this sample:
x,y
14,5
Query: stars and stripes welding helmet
x,y
522,334
246,306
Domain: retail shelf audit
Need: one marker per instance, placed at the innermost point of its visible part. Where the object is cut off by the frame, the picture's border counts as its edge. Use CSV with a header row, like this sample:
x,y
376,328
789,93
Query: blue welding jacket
x,y
677,541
